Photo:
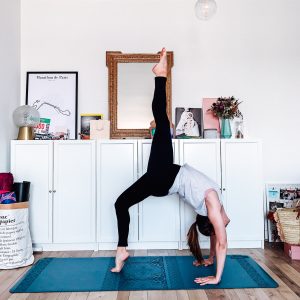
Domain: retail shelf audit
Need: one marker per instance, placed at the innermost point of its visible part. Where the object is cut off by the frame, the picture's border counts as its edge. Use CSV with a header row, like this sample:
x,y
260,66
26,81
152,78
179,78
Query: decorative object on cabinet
x,y
54,95
26,118
99,129
226,132
210,133
42,129
85,124
239,128
210,121
279,195
226,108
130,86
205,9
188,122
153,127
61,133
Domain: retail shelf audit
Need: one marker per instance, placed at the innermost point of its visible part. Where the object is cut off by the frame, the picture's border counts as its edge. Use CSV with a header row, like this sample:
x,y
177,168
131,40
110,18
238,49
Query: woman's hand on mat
x,y
207,280
206,262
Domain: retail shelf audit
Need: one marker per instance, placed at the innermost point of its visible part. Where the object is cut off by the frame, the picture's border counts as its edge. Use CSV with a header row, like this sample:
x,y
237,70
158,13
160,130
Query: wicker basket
x,y
288,225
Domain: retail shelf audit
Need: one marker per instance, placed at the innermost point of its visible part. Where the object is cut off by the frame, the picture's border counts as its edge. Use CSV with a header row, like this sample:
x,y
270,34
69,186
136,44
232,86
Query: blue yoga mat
x,y
139,273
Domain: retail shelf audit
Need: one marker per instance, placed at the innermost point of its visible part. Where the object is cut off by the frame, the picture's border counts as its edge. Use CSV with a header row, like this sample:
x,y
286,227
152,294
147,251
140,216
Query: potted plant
x,y
226,108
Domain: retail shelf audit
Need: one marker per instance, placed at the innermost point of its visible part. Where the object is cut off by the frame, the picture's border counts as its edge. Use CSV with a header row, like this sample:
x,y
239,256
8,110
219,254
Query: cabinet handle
x,y
54,191
50,191
224,189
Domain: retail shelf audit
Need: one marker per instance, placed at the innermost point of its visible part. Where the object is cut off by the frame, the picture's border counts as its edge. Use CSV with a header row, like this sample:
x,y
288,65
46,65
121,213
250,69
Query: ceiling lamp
x,y
205,9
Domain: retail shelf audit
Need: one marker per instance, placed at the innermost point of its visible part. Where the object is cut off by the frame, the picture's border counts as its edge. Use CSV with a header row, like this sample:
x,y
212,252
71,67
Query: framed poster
x,y
55,96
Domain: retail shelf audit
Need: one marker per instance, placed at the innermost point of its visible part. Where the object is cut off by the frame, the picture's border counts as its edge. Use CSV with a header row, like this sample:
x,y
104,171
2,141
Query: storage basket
x,y
288,224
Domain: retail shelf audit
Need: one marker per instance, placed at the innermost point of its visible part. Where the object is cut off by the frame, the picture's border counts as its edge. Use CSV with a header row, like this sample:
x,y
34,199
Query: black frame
x,y
76,92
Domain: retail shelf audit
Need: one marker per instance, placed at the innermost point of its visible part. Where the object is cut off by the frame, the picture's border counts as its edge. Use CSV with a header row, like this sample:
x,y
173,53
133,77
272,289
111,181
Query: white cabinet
x,y
117,170
242,188
158,216
74,205
34,162
62,197
236,166
76,183
203,155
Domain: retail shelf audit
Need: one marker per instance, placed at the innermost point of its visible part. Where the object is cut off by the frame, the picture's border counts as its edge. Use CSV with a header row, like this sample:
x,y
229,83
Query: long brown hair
x,y
206,228
193,242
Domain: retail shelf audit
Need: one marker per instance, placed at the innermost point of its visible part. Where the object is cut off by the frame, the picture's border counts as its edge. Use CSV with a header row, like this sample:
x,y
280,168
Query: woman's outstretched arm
x,y
214,214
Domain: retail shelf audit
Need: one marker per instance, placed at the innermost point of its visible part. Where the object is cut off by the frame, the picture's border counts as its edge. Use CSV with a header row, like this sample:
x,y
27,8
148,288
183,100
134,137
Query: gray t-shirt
x,y
193,186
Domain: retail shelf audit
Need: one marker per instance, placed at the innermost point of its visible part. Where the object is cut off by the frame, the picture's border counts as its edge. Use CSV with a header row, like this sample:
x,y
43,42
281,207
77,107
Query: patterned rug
x,y
139,273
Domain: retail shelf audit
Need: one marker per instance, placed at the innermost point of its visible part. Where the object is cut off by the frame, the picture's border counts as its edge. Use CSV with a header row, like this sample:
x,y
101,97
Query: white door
x,y
117,169
243,189
33,161
203,155
158,216
74,192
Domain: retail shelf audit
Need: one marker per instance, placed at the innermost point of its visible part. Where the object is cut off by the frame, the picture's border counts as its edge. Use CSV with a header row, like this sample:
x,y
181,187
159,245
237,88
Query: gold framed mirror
x,y
130,93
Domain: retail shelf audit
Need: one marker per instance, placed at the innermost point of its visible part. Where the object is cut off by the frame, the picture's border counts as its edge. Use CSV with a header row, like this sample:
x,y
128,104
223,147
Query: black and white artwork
x,y
54,95
188,122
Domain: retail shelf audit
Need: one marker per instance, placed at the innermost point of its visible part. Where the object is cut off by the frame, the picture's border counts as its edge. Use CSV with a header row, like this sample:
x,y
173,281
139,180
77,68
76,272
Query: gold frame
x,y
112,60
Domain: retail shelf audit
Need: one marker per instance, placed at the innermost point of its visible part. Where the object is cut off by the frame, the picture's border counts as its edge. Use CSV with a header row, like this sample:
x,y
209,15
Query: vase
x,y
226,129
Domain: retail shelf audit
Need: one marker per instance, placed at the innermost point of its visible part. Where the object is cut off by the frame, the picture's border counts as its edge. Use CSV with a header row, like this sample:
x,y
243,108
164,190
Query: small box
x,y
293,251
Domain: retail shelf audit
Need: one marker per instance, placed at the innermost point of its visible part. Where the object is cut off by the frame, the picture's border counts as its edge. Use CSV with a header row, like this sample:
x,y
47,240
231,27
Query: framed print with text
x,y
55,96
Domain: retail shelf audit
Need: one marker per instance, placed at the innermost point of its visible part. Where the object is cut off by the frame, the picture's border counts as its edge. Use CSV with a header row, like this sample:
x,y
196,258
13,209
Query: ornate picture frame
x,y
113,58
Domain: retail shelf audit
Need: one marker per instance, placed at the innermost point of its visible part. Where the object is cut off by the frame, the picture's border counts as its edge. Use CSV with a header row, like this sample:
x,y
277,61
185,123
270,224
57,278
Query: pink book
x,y
209,120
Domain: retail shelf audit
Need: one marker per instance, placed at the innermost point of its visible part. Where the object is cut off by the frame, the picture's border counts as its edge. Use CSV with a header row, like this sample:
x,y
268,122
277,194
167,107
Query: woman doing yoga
x,y
163,177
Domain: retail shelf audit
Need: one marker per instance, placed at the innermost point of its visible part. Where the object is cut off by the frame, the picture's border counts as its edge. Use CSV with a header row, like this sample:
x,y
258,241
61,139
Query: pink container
x,y
293,251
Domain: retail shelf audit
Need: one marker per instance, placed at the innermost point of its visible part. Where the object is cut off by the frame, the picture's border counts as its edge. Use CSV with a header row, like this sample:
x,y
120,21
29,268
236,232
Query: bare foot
x,y
120,259
206,262
161,69
196,263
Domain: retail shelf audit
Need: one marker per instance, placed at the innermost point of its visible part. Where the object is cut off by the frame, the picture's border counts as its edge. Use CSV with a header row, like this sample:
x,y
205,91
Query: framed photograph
x,y
85,124
188,122
55,96
279,195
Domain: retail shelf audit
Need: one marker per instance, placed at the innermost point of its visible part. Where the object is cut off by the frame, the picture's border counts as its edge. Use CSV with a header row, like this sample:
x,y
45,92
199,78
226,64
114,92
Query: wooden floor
x,y
273,260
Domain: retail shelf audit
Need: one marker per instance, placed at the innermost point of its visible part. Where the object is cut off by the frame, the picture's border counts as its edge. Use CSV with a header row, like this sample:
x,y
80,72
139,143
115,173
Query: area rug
x,y
139,273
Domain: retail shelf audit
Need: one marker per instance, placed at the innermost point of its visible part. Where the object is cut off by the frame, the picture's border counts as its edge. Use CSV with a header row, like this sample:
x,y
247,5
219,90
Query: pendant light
x,y
205,9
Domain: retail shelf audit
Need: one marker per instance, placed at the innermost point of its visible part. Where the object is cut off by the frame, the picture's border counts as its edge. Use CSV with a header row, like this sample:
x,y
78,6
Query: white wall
x,y
9,75
250,49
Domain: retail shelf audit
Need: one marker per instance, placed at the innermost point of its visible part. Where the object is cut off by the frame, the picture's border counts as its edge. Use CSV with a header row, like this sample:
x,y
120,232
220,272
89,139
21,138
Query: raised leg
x,y
161,155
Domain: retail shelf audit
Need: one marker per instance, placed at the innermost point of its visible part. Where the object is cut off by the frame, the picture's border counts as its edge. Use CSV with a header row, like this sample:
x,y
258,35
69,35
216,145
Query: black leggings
x,y
161,171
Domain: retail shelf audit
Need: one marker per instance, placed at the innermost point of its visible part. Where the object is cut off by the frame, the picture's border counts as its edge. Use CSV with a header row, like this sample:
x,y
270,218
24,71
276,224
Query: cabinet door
x,y
117,169
203,155
74,192
33,161
243,189
158,216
